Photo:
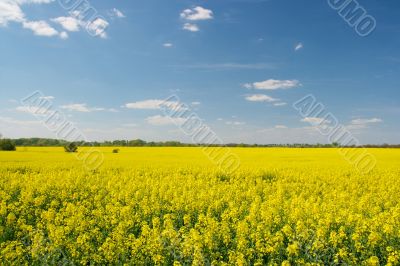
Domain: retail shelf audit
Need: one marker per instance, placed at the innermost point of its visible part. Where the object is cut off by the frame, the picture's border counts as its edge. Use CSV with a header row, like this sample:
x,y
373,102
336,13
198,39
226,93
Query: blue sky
x,y
239,65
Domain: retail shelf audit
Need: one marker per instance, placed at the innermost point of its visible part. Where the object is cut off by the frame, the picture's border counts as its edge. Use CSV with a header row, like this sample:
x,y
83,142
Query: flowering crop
x,y
171,206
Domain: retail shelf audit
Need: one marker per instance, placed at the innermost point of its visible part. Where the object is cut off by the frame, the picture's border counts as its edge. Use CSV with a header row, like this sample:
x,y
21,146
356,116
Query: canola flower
x,y
171,206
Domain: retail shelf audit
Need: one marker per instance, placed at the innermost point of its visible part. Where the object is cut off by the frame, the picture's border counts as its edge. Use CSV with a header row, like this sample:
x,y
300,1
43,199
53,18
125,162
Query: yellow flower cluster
x,y
151,206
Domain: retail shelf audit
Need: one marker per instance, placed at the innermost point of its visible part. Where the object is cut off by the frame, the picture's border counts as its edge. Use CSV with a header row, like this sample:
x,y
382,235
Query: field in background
x,y
172,205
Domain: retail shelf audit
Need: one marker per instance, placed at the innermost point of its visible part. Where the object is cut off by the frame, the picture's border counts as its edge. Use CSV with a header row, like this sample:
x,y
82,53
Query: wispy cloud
x,y
147,104
281,127
191,27
362,123
36,110
64,35
117,13
298,46
260,98
235,123
49,98
273,84
168,45
12,121
33,110
230,66
315,120
159,120
83,108
153,105
130,125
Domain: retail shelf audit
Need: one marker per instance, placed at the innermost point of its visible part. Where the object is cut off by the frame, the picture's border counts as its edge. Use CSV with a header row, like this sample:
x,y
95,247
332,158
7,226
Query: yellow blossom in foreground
x,y
173,206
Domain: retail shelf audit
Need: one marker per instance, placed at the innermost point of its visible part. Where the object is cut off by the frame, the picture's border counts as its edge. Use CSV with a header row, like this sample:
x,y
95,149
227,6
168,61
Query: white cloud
x,y
83,108
168,45
130,125
197,13
40,28
33,110
235,123
280,104
273,84
49,98
190,27
196,103
68,23
147,104
315,120
248,85
12,121
154,105
298,46
98,27
76,22
117,13
10,11
260,98
159,120
366,121
37,110
78,107
362,123
231,66
354,124
33,1
64,35
281,127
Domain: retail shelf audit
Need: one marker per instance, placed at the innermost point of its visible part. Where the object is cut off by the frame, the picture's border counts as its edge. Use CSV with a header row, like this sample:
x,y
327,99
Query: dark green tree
x,y
7,145
335,144
71,147
137,143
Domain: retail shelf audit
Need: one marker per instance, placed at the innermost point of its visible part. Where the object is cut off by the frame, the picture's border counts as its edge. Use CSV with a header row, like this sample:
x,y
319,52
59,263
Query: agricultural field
x,y
173,206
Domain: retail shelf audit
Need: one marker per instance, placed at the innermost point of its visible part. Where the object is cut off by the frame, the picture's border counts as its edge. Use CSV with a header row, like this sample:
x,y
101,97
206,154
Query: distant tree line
x,y
42,142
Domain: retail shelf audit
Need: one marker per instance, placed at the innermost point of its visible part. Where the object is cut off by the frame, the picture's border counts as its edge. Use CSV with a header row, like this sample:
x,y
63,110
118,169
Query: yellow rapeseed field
x,y
172,206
